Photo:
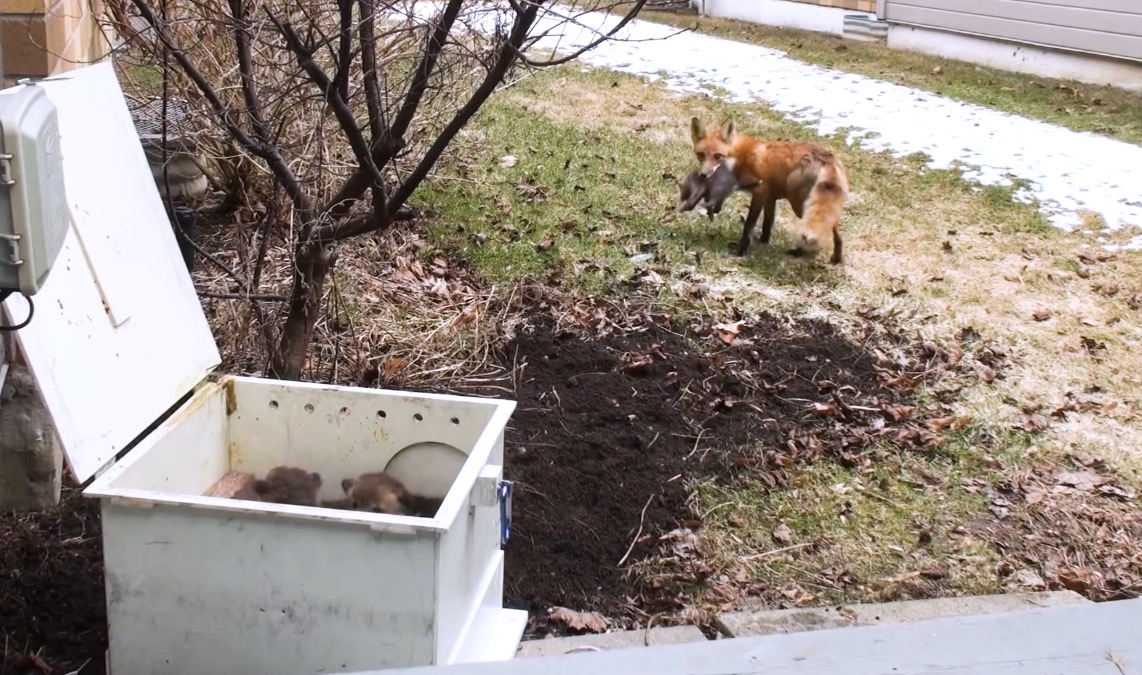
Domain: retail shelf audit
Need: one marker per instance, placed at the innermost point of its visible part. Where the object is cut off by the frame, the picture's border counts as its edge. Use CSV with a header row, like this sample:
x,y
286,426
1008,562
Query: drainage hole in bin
x,y
308,407
381,414
455,420
344,412
273,404
418,417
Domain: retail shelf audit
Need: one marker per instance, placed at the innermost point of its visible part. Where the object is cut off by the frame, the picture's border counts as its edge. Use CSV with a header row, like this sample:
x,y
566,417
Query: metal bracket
x,y
6,169
13,241
504,491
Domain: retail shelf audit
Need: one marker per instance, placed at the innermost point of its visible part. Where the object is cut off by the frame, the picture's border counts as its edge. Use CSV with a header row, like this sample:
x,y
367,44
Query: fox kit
x,y
711,190
811,178
289,485
377,492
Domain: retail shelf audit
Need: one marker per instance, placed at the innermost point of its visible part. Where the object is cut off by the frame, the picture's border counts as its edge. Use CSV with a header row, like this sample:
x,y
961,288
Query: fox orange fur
x,y
811,178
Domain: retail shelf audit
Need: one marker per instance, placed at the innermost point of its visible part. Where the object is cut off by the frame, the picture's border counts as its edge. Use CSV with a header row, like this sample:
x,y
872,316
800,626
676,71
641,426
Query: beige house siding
x,y
858,5
40,38
1104,27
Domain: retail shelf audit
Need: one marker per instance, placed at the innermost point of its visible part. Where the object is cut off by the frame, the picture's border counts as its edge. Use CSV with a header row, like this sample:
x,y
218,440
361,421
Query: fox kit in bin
x,y
381,493
289,485
811,178
712,191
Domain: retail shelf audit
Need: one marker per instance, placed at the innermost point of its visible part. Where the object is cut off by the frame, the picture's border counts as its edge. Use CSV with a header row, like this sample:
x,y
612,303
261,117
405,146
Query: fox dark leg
x,y
755,207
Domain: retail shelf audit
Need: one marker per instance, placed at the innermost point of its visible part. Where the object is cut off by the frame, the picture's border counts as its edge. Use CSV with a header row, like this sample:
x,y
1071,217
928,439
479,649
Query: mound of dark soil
x,y
609,427
606,434
52,610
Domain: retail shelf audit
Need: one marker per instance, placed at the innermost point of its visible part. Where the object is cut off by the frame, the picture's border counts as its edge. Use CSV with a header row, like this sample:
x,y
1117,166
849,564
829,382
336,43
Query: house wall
x,y
1105,27
1094,41
40,38
824,16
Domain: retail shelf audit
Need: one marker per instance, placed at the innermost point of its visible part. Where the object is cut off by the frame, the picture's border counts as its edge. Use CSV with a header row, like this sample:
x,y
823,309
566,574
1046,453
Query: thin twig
x,y
641,522
696,442
240,296
766,554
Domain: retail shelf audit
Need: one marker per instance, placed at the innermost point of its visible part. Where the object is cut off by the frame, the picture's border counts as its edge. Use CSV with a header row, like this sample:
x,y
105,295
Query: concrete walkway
x,y
752,621
1068,171
1080,639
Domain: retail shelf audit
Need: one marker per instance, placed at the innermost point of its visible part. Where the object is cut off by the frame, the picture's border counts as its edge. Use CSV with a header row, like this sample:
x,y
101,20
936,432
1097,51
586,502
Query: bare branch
x,y
594,43
340,108
345,48
246,68
268,154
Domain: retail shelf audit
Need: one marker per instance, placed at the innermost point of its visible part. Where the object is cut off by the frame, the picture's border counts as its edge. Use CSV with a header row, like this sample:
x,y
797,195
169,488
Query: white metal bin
x,y
215,585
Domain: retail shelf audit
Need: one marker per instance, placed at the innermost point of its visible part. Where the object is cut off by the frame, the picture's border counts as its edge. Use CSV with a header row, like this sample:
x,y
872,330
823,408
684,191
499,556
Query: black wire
x,y
4,295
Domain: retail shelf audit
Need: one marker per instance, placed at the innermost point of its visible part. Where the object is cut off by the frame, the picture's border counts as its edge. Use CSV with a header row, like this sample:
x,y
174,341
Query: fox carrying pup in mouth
x,y
811,178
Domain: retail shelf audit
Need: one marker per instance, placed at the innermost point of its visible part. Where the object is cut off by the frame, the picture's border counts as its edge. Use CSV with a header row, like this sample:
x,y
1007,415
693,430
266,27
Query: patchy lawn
x,y
1083,107
954,410
565,179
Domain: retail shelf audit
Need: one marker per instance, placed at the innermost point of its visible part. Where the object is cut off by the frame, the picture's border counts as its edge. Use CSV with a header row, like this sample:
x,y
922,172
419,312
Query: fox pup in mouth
x,y
811,178
711,191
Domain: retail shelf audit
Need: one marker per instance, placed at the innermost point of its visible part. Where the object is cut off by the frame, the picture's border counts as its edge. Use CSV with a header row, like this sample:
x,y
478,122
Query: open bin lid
x,y
118,335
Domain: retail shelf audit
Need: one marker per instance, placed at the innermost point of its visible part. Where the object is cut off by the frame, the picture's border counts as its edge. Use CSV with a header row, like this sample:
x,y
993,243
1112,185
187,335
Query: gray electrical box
x,y
33,204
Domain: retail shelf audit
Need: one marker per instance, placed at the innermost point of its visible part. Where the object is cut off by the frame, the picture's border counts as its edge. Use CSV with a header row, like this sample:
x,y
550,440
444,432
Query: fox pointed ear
x,y
315,479
347,485
728,131
696,130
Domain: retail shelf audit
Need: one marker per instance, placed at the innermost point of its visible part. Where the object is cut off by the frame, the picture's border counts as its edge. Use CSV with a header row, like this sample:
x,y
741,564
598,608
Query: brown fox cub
x,y
288,485
811,178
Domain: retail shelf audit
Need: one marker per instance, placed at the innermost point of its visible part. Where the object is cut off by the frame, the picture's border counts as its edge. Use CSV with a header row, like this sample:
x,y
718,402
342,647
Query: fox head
x,y
712,145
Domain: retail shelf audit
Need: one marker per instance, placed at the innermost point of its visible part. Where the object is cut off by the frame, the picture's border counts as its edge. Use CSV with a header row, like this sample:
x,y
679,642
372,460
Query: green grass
x,y
597,158
584,206
1083,107
879,524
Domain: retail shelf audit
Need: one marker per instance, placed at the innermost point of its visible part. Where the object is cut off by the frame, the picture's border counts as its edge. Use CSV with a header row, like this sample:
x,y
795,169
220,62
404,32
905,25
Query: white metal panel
x,y
105,383
233,579
192,593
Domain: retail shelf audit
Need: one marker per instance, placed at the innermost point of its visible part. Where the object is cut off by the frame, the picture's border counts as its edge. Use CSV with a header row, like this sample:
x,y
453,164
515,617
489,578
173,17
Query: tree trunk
x,y
312,266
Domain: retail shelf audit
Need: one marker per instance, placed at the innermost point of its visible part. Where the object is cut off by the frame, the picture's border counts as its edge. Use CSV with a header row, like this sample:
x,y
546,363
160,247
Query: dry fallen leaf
x,y
952,422
824,408
1081,480
1042,314
1029,579
592,621
684,541
508,161
782,534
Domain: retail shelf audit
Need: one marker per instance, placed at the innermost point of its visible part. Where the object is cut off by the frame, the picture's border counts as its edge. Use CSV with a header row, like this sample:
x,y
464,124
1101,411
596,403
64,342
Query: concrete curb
x,y
755,621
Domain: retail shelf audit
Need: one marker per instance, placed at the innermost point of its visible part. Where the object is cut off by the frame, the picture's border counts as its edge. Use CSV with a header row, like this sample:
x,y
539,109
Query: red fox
x,y
811,178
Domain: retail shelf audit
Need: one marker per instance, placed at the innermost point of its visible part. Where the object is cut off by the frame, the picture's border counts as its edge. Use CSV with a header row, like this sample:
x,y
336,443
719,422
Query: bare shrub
x,y
321,120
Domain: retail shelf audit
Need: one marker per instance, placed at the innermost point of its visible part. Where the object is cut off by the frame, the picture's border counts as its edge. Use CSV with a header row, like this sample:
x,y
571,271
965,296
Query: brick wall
x,y
857,5
40,38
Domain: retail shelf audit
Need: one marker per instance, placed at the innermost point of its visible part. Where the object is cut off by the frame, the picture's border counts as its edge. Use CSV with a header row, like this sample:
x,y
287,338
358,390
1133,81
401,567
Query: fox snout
x,y
809,242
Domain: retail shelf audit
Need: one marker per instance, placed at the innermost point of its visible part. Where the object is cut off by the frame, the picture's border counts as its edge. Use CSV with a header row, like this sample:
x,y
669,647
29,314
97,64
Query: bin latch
x,y
504,492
